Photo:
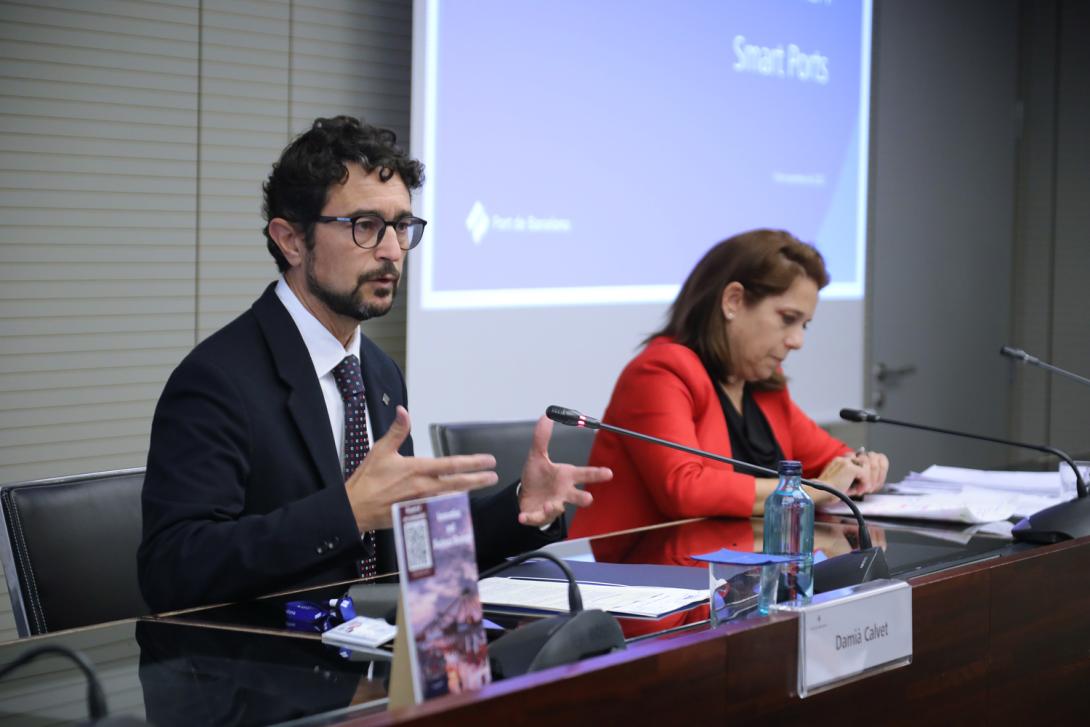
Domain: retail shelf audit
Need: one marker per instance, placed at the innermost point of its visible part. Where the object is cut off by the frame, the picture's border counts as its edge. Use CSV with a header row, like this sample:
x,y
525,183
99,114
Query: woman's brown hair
x,y
765,262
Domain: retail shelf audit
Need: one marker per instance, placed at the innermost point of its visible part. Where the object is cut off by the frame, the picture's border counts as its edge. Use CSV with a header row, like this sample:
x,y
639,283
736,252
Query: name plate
x,y
853,632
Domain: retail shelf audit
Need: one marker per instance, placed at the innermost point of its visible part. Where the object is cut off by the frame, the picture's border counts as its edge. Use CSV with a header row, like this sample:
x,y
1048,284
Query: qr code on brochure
x,y
417,538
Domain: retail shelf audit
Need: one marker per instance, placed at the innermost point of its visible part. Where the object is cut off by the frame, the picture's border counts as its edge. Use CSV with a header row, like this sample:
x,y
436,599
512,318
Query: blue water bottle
x,y
788,530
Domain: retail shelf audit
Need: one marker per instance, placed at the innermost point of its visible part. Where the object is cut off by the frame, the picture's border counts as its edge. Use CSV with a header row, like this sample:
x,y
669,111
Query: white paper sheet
x,y
552,596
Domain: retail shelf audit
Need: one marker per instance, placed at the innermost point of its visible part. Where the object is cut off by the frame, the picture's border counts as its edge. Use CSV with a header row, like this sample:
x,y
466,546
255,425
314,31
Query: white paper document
x,y
552,596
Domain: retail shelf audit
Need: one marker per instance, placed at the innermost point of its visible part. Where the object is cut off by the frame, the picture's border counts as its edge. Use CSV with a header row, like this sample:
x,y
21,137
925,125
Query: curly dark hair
x,y
298,186
765,262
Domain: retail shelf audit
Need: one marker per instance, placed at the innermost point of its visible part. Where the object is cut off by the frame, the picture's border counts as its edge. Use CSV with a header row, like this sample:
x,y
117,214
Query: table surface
x,y
237,663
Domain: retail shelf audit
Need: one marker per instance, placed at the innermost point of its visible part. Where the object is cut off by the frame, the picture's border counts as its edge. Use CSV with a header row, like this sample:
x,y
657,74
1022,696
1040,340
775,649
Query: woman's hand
x,y
875,466
841,473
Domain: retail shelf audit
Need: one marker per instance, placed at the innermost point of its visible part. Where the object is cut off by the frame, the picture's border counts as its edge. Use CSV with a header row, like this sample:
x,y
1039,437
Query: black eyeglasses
x,y
368,229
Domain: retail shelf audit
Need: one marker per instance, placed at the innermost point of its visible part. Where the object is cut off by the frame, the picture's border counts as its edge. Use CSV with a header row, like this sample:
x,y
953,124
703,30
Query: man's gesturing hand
x,y
546,485
385,477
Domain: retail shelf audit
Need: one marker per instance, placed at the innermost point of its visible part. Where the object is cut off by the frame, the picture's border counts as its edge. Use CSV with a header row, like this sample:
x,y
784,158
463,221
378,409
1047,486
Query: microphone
x,y
866,564
571,417
859,415
1064,521
550,642
1019,355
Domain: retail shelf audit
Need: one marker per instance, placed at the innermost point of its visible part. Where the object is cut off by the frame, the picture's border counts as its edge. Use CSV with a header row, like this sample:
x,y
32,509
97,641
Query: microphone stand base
x,y
1065,521
850,569
553,641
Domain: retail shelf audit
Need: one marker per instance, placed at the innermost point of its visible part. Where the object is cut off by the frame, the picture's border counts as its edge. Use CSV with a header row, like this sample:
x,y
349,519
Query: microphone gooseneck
x,y
1019,355
1064,521
866,416
859,566
96,698
561,639
575,599
566,416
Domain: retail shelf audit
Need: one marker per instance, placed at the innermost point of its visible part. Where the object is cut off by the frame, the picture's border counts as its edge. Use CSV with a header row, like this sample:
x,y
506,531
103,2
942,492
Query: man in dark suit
x,y
245,492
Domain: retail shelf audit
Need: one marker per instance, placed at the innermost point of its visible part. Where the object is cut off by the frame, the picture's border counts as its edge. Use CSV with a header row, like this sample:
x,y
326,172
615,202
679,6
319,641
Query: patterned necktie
x,y
349,378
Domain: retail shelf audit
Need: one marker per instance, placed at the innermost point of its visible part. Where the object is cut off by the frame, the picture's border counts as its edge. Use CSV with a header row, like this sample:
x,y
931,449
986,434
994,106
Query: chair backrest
x,y
509,443
69,549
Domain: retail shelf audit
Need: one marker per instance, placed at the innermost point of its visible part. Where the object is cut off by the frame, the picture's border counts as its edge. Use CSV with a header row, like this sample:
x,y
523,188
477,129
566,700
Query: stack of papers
x,y
1045,484
961,495
948,507
1030,491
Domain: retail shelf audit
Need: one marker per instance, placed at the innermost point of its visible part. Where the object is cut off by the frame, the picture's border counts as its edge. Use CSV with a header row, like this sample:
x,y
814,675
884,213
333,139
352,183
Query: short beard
x,y
346,304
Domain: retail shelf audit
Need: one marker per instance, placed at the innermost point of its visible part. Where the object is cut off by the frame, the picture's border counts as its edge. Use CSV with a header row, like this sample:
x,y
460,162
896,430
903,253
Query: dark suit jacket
x,y
244,493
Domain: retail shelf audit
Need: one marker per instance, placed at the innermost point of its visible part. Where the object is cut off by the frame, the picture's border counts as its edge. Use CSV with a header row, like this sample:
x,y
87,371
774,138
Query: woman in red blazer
x,y
712,379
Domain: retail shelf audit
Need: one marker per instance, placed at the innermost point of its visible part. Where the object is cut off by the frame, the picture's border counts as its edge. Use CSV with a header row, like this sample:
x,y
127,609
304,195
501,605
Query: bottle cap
x,y
791,467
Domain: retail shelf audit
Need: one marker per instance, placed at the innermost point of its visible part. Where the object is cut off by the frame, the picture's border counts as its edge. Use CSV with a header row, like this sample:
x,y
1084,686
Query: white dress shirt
x,y
325,353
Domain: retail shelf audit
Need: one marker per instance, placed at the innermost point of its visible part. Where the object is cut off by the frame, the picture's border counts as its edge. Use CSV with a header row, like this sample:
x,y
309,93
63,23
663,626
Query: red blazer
x,y
666,392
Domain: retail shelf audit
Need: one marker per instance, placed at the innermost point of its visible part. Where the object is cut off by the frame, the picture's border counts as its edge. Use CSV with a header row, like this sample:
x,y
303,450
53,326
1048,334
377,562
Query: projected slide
x,y
590,152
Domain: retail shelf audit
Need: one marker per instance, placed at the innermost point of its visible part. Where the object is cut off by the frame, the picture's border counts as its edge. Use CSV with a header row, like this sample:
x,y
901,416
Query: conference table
x,y
1000,635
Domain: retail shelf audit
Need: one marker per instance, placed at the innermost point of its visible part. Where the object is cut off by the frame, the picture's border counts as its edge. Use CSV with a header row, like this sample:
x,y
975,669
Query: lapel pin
x,y
386,400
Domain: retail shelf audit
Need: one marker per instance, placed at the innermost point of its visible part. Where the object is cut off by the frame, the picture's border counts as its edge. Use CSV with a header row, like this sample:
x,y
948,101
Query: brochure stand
x,y
401,670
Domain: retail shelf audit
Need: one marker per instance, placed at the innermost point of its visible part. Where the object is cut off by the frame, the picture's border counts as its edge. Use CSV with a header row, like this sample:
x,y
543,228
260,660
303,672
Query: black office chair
x,y
69,550
509,443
